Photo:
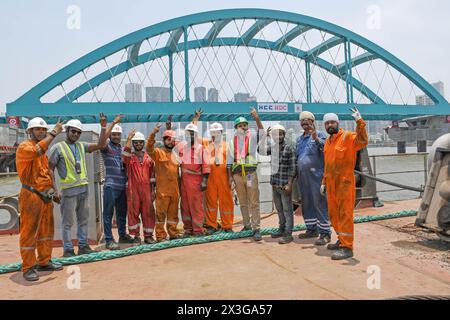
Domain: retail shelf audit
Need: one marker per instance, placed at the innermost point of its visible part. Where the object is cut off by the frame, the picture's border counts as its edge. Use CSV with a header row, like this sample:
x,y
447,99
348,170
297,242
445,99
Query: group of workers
x,y
145,181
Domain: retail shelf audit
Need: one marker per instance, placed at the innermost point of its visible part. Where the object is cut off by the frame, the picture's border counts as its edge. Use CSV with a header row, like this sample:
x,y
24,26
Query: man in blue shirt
x,y
310,167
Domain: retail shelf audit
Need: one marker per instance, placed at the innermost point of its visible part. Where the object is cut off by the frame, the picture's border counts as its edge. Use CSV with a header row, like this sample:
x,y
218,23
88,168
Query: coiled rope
x,y
220,236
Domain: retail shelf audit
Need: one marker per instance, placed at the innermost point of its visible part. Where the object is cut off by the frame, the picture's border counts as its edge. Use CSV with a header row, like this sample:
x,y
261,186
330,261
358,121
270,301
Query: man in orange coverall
x,y
218,193
140,188
194,178
35,200
167,180
339,181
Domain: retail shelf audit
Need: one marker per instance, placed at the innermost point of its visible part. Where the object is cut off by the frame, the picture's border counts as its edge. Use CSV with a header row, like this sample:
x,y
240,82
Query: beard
x,y
333,130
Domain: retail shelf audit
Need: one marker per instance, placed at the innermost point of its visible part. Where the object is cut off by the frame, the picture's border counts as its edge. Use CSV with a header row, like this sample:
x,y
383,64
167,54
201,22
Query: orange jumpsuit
x,y
167,190
218,194
339,179
36,216
194,164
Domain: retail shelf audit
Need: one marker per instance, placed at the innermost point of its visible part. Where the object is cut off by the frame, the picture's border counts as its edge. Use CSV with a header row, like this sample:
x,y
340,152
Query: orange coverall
x,y
218,194
36,216
167,190
339,179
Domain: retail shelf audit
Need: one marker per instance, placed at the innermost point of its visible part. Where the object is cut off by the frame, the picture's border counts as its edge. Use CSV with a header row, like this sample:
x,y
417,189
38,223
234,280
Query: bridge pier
x,y
401,147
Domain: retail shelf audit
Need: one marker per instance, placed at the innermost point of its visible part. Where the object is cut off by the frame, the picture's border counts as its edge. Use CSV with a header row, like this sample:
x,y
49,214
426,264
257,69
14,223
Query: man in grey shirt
x,y
69,158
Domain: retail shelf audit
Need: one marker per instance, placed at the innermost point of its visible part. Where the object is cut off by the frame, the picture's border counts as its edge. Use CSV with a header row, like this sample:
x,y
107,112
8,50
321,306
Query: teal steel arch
x,y
29,103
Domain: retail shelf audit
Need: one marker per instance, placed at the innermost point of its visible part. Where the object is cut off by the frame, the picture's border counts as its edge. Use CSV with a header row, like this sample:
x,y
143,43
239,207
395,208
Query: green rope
x,y
219,236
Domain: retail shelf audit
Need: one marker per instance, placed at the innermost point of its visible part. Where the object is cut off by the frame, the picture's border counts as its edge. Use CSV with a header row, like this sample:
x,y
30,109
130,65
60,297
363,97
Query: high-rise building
x,y
157,94
425,100
213,95
133,92
200,94
241,97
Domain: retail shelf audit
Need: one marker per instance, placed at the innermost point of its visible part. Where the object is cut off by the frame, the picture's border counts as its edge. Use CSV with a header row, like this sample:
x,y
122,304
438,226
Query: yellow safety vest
x,y
73,179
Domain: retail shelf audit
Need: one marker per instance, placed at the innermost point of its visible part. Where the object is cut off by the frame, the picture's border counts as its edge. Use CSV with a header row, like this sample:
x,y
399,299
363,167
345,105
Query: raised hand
x,y
169,122
103,120
198,113
58,127
314,132
157,128
118,118
131,134
254,113
268,131
355,113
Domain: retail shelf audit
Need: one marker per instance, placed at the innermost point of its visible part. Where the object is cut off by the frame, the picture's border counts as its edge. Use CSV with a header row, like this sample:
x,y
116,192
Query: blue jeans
x,y
71,206
117,199
285,209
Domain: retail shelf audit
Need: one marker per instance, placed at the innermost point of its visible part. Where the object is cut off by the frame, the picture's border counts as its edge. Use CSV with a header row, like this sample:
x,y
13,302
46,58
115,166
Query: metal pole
x,y
186,66
425,169
348,71
171,75
308,81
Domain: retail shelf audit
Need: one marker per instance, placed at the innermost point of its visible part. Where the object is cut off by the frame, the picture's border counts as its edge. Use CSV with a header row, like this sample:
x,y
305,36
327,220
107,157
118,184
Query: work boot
x,y
198,235
257,235
112,245
69,253
323,240
85,250
137,240
342,253
165,240
178,236
126,239
285,239
50,266
246,229
210,231
228,230
308,234
278,234
334,246
31,275
149,240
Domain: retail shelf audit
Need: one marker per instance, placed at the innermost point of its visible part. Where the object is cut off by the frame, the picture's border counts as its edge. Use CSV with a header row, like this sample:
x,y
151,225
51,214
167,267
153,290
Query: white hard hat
x,y
216,127
138,136
191,127
74,123
37,123
278,127
117,128
330,117
307,115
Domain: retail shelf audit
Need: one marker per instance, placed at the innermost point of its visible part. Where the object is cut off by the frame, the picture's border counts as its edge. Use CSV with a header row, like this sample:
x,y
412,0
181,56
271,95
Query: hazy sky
x,y
36,42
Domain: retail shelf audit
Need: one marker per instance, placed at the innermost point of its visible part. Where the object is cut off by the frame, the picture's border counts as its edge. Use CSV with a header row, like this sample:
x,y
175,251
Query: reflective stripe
x,y
72,178
191,172
310,220
45,239
345,234
159,222
212,209
226,213
136,226
27,248
186,218
149,230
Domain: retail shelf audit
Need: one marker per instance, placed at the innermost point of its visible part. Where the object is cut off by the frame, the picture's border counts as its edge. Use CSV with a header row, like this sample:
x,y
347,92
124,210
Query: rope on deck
x,y
220,236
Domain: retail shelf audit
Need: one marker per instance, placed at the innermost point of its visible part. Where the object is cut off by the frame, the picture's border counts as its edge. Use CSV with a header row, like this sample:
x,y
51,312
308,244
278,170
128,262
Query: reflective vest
x,y
243,158
73,179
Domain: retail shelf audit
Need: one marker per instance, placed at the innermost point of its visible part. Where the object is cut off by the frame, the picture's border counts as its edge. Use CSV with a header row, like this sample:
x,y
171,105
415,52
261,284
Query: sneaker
x,y
126,239
50,266
286,239
334,246
246,229
257,235
323,240
149,240
278,234
31,275
85,250
69,253
308,235
137,240
112,245
342,253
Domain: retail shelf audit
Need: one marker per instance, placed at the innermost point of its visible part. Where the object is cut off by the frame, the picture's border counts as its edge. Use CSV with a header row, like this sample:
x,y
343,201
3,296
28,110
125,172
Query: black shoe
x,y
278,234
31,275
286,239
198,235
334,246
85,250
228,230
323,240
50,266
308,235
246,229
257,235
210,231
137,240
149,240
342,253
112,245
126,239
69,253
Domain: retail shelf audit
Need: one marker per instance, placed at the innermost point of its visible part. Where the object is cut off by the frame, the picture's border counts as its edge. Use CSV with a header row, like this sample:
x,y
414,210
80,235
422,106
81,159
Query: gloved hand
x,y
323,190
355,113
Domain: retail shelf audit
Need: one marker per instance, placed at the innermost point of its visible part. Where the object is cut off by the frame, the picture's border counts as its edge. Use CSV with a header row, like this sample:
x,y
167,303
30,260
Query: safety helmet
x,y
117,128
169,133
138,136
37,123
330,117
215,127
74,123
307,115
278,127
191,127
240,120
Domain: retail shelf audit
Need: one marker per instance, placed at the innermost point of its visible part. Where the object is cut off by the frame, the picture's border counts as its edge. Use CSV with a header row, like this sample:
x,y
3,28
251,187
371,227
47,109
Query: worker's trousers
x,y
192,211
166,211
140,206
117,199
78,206
285,209
248,194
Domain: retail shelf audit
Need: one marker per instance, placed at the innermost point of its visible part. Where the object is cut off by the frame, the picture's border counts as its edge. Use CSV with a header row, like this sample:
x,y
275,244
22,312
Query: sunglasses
x,y
72,131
